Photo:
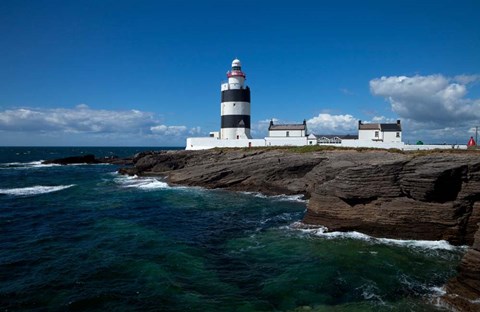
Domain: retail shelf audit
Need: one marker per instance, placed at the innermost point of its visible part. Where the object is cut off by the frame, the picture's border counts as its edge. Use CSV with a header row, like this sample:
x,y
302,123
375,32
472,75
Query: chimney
x,y
398,121
359,124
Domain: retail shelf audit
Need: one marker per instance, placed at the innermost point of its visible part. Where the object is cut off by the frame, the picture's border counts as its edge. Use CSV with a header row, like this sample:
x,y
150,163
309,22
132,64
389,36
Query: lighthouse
x,y
235,106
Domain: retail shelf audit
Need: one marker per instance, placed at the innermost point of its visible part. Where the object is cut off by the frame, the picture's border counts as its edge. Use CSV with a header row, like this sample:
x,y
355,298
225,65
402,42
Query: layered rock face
x,y
412,197
379,193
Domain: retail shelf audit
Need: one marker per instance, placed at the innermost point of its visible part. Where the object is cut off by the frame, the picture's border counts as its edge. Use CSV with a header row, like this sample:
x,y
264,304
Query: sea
x,y
84,238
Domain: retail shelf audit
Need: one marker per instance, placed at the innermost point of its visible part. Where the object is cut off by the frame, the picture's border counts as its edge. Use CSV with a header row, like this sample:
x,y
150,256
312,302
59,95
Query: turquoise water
x,y
84,238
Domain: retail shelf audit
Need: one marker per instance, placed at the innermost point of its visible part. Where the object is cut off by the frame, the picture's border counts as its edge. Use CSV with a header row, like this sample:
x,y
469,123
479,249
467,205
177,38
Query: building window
x,y
376,134
311,142
288,133
398,134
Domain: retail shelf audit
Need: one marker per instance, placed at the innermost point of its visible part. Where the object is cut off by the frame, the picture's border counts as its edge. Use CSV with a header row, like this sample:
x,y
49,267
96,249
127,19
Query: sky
x,y
148,73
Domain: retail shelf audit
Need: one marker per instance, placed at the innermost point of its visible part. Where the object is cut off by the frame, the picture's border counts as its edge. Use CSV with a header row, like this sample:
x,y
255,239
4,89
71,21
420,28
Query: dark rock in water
x,y
84,159
89,159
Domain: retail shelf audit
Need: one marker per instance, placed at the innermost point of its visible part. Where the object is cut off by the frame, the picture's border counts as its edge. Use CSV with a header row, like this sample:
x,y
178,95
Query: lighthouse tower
x,y
235,107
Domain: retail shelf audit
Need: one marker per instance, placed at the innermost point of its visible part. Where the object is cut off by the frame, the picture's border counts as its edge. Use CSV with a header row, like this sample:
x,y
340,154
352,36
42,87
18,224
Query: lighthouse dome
x,y
236,63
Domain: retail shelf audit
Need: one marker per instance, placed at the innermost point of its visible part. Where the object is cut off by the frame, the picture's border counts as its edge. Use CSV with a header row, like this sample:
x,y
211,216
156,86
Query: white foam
x,y
295,198
34,190
322,231
26,165
287,216
438,291
369,292
141,183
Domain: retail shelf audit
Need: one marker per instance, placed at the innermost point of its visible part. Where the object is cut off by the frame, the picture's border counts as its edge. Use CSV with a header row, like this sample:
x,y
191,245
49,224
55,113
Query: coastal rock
x,y
463,291
83,159
89,159
418,197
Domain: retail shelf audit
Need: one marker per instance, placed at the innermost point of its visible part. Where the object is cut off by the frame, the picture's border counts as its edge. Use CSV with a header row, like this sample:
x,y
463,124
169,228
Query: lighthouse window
x,y
376,134
398,134
288,133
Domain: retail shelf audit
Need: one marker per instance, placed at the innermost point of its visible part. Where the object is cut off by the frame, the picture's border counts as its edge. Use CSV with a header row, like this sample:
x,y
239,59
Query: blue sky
x,y
149,72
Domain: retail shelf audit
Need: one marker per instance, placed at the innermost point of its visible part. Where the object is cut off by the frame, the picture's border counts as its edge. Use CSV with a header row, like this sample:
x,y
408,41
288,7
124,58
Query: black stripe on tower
x,y
236,121
236,95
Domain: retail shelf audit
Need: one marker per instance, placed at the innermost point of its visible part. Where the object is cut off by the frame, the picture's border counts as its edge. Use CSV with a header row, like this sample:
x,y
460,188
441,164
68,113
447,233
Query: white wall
x,y
283,133
282,141
207,143
231,133
368,135
391,136
387,136
387,145
311,141
367,143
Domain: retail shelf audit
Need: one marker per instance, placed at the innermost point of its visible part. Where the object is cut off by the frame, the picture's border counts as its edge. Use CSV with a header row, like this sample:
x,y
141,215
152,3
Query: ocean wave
x,y
287,216
141,183
26,165
322,231
34,190
295,198
38,164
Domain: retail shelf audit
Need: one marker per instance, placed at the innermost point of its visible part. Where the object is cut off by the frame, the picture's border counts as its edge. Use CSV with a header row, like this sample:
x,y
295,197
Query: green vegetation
x,y
324,148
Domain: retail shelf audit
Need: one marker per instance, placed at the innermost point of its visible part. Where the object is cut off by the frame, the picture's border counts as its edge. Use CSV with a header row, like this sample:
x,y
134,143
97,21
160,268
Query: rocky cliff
x,y
429,196
463,291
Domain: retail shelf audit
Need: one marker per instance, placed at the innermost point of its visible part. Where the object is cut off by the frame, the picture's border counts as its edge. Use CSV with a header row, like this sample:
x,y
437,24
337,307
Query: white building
x,y
287,130
380,132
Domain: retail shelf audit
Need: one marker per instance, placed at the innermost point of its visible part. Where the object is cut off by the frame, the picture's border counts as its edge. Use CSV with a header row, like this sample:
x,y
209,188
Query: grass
x,y
325,148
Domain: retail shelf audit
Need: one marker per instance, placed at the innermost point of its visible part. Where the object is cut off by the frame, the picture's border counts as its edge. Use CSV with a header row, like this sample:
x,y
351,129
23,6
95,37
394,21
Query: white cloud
x,y
79,119
169,130
432,99
466,79
383,119
346,91
196,131
260,128
83,122
332,124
